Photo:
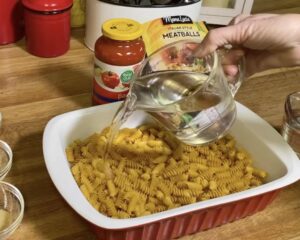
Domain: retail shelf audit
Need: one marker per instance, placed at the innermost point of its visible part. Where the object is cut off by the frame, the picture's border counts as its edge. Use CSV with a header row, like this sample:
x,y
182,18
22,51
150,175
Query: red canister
x,y
11,21
47,26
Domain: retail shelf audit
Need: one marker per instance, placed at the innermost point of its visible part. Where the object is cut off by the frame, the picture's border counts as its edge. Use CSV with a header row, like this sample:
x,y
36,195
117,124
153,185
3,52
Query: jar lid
x,y
47,5
122,29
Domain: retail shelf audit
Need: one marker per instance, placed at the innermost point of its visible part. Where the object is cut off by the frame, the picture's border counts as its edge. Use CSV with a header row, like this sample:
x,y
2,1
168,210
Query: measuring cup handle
x,y
234,84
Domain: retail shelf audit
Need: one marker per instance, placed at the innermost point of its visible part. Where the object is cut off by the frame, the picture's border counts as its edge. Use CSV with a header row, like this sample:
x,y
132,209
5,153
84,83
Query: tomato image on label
x,y
110,79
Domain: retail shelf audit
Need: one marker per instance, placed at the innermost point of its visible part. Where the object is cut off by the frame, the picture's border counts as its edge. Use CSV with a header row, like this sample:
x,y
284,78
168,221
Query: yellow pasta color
x,y
94,200
152,137
193,185
122,182
204,150
240,155
70,155
199,160
145,127
160,159
164,186
181,192
213,146
213,185
176,170
121,204
259,173
85,191
160,208
111,188
92,149
196,192
192,173
132,204
207,175
215,193
222,175
121,165
135,135
99,174
231,143
153,131
154,143
184,200
123,214
205,183
172,162
166,150
142,186
111,208
159,195
147,171
255,181
75,170
198,166
178,178
249,169
133,173
146,176
85,152
85,181
145,137
168,201
231,153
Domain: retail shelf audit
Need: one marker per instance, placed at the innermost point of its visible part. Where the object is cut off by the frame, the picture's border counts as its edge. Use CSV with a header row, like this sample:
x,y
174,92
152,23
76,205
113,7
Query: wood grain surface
x,y
33,90
271,6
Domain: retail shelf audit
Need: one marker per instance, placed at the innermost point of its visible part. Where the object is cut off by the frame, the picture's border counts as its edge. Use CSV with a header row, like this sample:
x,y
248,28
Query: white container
x,y
216,3
268,149
97,12
221,12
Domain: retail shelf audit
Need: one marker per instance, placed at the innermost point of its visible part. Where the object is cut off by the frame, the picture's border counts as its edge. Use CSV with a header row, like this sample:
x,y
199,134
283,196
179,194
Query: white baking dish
x,y
270,152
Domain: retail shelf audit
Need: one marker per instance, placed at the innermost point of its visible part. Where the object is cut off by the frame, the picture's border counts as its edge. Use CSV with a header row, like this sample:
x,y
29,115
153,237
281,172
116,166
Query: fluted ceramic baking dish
x,y
270,152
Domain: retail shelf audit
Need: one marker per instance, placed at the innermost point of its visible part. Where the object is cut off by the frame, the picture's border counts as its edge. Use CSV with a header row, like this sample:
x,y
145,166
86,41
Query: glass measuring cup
x,y
291,126
189,96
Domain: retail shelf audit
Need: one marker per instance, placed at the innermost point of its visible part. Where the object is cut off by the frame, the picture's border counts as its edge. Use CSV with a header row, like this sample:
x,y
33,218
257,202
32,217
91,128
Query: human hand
x,y
266,40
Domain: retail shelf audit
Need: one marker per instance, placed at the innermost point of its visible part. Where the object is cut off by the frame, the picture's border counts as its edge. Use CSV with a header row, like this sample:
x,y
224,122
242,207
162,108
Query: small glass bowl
x,y
6,156
11,209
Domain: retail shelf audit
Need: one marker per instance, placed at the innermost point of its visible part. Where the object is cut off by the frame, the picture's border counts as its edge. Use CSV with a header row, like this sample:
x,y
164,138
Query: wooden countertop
x,y
33,90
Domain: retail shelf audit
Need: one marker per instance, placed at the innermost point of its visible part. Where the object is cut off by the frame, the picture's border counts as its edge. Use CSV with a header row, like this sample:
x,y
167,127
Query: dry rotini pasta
x,y
146,171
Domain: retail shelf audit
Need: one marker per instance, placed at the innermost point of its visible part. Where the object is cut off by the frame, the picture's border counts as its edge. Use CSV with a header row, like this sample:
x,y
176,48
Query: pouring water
x,y
196,106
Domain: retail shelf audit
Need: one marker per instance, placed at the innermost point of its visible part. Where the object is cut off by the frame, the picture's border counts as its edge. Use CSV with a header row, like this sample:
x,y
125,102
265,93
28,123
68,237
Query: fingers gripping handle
x,y
236,81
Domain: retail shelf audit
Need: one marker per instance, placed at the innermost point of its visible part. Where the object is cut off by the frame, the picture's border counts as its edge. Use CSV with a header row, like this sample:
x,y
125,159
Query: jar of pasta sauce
x,y
118,52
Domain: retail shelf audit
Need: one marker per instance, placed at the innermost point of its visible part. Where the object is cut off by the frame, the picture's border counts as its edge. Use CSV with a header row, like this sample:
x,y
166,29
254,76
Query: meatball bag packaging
x,y
162,31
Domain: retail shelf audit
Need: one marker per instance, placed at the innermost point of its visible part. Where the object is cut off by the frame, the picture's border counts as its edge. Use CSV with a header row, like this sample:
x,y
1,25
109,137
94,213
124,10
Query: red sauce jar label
x,y
101,95
113,78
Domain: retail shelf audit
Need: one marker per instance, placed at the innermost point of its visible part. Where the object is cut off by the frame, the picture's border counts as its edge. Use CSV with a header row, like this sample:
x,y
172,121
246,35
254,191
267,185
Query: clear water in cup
x,y
183,104
189,96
